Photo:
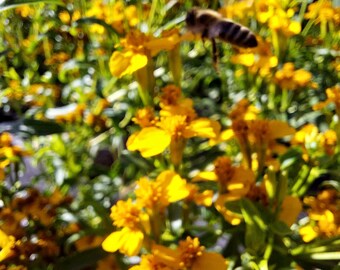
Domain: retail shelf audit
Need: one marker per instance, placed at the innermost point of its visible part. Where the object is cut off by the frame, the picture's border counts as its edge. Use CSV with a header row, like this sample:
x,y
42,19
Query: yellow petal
x,y
290,209
123,63
280,129
169,257
113,242
133,241
205,176
308,233
294,27
246,59
174,184
150,141
210,260
205,127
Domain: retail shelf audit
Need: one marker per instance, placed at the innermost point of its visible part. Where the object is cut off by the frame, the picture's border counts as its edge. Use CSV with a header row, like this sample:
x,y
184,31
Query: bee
x,y
211,25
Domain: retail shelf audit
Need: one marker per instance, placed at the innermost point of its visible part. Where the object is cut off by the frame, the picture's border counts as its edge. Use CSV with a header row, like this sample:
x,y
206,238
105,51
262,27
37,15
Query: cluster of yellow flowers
x,y
261,153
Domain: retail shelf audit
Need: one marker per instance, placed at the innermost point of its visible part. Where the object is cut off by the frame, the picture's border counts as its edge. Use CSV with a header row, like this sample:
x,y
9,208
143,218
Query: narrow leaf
x,y
39,127
87,258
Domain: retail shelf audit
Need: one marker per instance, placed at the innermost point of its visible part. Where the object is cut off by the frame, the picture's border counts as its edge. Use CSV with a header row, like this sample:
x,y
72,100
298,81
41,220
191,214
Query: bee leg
x,y
215,54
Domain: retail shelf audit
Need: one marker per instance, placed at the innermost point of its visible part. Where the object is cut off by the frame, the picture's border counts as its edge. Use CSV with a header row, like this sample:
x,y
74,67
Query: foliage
x,y
148,155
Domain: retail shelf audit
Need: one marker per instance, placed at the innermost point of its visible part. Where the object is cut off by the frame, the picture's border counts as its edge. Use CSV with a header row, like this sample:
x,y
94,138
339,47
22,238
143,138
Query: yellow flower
x,y
291,79
313,142
172,131
324,215
134,223
328,140
244,110
117,15
333,96
265,9
145,117
234,183
150,262
322,11
199,198
258,60
25,11
278,19
262,131
189,255
8,152
156,195
238,10
172,103
138,48
7,243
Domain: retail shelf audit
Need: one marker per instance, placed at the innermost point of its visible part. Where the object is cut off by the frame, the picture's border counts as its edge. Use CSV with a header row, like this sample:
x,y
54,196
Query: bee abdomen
x,y
234,33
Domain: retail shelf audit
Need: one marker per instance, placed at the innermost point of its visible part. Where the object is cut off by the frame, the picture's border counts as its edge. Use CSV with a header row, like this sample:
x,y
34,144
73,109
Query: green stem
x,y
301,181
284,100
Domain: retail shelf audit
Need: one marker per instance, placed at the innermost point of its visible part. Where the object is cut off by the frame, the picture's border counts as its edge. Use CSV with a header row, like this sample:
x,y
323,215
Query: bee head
x,y
191,17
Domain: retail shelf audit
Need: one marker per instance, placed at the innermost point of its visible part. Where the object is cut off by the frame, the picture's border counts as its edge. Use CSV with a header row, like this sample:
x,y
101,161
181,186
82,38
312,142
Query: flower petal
x,y
150,141
127,62
210,260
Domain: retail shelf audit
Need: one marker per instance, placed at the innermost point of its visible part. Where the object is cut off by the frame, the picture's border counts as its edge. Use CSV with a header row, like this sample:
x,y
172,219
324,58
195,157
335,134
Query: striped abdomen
x,y
232,32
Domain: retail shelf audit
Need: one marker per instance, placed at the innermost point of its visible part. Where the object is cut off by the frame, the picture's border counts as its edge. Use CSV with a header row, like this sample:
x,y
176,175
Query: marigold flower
x,y
156,195
9,153
199,198
116,15
150,262
258,60
312,141
134,223
273,13
234,183
189,255
322,11
238,10
324,215
145,117
291,79
244,110
333,96
171,132
137,49
172,103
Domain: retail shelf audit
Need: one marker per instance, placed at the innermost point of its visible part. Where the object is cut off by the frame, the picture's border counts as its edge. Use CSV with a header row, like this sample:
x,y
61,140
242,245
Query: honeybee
x,y
211,25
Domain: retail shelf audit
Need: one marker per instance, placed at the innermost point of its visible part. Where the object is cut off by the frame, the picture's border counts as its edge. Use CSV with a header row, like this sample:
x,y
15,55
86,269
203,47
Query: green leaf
x,y
39,127
7,4
234,206
81,260
255,227
280,228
